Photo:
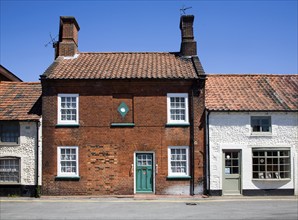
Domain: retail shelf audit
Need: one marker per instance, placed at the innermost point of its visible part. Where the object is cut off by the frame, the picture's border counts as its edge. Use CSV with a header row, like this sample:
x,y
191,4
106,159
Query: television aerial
x,y
183,9
53,41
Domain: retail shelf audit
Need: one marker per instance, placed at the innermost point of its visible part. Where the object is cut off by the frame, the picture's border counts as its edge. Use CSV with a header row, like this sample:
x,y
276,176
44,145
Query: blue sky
x,y
232,36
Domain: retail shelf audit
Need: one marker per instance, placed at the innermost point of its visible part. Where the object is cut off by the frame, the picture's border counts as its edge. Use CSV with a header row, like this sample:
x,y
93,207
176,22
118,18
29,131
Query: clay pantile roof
x,y
252,92
122,65
19,100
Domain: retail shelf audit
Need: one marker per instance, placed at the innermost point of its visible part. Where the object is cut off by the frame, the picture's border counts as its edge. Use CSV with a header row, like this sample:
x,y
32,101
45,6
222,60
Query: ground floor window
x,y
271,163
178,161
68,161
10,170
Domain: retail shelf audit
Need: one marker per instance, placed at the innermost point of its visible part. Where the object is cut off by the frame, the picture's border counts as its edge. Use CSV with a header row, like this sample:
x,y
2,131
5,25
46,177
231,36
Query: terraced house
x,y
20,137
252,130
123,123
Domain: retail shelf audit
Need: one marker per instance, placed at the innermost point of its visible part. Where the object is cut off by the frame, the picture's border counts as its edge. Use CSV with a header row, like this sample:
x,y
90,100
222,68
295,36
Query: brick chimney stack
x,y
188,44
68,37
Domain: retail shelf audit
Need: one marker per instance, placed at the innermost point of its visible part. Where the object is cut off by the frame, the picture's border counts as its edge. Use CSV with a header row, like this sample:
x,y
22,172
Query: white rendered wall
x,y
26,151
232,131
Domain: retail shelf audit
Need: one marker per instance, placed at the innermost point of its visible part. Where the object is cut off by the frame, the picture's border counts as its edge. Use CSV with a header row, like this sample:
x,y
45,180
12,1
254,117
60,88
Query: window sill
x,y
67,178
10,183
261,134
7,144
177,125
122,124
273,180
178,177
67,125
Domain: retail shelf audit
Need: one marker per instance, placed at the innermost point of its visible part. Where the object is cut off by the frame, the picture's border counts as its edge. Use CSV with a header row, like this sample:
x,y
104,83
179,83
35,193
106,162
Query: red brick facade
x,y
106,153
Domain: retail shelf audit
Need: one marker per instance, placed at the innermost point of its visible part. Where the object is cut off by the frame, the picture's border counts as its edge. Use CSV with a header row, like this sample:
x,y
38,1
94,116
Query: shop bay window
x,y
271,163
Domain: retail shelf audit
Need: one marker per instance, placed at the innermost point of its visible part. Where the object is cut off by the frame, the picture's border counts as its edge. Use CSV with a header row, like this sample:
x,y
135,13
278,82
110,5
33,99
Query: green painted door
x,y
231,184
144,172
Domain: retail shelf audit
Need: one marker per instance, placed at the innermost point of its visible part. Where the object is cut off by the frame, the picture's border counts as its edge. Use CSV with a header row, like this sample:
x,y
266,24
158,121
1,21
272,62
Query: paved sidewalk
x,y
145,197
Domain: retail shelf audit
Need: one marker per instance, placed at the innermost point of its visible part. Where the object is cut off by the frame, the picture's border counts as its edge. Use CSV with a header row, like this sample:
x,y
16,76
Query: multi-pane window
x,y
260,124
177,108
271,164
9,132
10,170
232,165
144,160
178,161
68,108
68,161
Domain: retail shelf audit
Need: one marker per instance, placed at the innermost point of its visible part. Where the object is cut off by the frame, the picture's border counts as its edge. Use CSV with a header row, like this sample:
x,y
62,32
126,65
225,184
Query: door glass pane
x,y
228,163
235,163
235,170
234,154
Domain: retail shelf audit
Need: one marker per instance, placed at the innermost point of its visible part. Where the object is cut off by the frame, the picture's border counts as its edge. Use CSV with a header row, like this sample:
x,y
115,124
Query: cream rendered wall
x,y
232,131
26,151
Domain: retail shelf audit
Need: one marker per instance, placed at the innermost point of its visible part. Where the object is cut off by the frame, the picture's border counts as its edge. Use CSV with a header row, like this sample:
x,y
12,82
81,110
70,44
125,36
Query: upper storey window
x,y
68,109
9,132
177,108
261,124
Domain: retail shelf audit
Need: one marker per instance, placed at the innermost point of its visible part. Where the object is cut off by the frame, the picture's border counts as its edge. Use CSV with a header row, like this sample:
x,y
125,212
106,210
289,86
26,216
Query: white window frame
x,y
261,132
179,95
68,122
12,169
172,174
67,174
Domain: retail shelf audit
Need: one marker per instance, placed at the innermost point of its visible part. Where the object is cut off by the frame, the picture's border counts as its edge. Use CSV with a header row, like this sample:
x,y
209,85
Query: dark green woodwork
x,y
123,109
122,125
67,178
144,172
177,125
67,125
178,177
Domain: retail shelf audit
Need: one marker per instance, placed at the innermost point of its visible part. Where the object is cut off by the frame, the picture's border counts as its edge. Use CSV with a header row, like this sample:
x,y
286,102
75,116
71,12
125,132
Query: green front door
x,y
144,172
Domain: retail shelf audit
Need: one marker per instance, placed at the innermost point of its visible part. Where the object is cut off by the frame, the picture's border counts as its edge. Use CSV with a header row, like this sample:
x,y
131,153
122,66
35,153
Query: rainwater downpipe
x,y
207,165
37,160
192,182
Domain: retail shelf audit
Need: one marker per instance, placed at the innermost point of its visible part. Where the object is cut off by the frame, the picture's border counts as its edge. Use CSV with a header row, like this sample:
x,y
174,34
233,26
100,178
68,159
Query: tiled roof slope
x,y
18,99
122,66
252,92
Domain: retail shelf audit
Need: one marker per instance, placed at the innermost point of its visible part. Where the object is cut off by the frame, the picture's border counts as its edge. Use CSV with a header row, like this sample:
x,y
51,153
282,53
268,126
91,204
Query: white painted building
x,y
252,134
20,138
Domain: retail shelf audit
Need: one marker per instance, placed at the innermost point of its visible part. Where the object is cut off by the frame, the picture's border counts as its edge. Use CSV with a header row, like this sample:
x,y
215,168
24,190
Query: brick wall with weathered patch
x,y
106,154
